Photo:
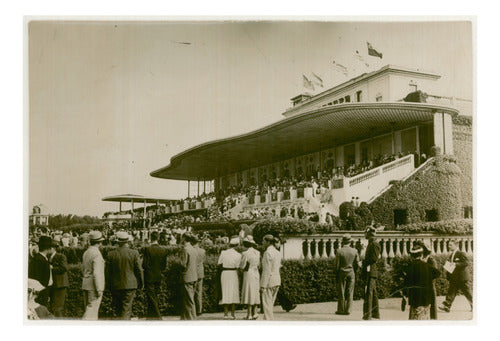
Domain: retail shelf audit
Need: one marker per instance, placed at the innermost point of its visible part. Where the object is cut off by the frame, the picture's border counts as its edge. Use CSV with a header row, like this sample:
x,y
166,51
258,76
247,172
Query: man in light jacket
x,y
189,261
270,280
93,276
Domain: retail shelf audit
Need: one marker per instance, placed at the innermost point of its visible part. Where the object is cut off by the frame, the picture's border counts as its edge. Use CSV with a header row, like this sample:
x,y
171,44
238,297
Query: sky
x,y
109,102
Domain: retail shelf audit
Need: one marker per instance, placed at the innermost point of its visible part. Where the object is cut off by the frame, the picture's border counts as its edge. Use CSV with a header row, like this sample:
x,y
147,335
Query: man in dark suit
x,y
200,268
39,268
60,277
346,263
460,279
125,276
155,261
372,255
189,262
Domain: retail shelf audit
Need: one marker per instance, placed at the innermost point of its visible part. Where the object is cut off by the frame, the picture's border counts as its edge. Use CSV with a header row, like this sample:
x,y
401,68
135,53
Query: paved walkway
x,y
390,310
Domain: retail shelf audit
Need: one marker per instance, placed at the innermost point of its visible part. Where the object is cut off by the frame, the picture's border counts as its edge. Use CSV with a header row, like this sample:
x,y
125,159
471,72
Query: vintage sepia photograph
x,y
250,170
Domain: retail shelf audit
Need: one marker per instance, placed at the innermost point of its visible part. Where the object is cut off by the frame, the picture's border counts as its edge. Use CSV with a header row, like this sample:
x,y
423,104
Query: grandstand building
x,y
386,125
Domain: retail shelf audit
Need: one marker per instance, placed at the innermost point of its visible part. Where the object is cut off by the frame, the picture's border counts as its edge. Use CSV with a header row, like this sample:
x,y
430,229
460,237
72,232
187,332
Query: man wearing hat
x,y
93,276
372,255
200,260
155,261
189,262
459,278
124,275
270,280
346,263
39,267
59,265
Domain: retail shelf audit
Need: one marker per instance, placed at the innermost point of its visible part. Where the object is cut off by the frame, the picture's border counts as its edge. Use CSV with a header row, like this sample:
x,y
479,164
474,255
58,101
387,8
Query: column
x,y
120,205
188,188
417,141
357,153
144,216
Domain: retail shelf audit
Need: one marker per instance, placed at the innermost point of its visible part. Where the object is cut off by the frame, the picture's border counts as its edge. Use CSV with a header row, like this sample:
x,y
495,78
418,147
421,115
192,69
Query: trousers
x,y
188,305
152,290
92,303
198,296
268,298
345,289
122,302
370,304
455,286
57,300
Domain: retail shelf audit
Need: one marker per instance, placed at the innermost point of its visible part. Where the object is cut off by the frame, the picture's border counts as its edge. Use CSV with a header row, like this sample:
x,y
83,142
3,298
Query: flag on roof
x,y
316,80
307,83
372,51
340,68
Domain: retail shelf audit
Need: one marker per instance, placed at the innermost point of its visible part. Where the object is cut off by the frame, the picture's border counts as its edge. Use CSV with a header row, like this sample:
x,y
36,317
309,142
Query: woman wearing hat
x,y
36,311
229,261
418,284
250,262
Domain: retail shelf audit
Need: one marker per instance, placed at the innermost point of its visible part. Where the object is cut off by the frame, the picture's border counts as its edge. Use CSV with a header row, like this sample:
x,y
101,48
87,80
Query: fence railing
x,y
392,244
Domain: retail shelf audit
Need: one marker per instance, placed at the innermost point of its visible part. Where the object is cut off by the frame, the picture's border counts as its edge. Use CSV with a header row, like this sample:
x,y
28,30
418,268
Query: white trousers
x,y
268,298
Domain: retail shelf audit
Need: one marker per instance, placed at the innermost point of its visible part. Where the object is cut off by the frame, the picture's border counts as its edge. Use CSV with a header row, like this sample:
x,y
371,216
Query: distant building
x,y
39,216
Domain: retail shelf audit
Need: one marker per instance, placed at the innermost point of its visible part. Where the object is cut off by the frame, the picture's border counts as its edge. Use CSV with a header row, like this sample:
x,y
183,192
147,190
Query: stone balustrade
x,y
392,244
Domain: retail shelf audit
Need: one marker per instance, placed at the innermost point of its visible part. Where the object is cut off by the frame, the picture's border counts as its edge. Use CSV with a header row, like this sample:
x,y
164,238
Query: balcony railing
x,y
392,244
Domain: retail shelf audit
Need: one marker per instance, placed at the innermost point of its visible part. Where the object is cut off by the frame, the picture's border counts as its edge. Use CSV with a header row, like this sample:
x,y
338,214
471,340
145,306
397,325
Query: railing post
x,y
445,246
391,248
398,249
384,249
405,252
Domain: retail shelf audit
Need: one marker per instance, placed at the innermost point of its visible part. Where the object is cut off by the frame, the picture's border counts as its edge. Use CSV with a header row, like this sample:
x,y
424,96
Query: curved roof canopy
x,y
137,198
301,134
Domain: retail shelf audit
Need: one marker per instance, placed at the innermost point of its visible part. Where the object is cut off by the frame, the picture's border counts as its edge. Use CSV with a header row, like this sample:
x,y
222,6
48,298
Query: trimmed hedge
x,y
448,227
280,227
303,281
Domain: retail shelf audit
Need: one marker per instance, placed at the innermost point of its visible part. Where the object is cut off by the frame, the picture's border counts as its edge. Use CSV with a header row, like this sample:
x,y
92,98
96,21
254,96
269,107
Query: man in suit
x,y
372,255
200,269
460,279
39,268
155,261
189,261
124,274
346,263
270,280
93,276
60,277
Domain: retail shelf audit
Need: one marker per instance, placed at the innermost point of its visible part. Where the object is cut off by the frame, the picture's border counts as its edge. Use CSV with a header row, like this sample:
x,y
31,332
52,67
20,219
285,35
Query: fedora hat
x,y
249,239
417,248
371,231
234,241
346,238
95,236
122,237
269,238
45,242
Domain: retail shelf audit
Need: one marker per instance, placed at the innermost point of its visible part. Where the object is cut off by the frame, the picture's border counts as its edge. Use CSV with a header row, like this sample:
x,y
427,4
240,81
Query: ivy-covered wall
x,y
462,149
437,187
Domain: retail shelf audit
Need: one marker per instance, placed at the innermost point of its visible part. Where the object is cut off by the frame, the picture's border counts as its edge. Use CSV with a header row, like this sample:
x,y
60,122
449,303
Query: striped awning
x,y
298,135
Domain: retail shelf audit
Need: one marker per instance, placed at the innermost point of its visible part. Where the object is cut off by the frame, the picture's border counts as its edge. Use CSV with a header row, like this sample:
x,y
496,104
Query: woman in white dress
x,y
250,291
229,261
